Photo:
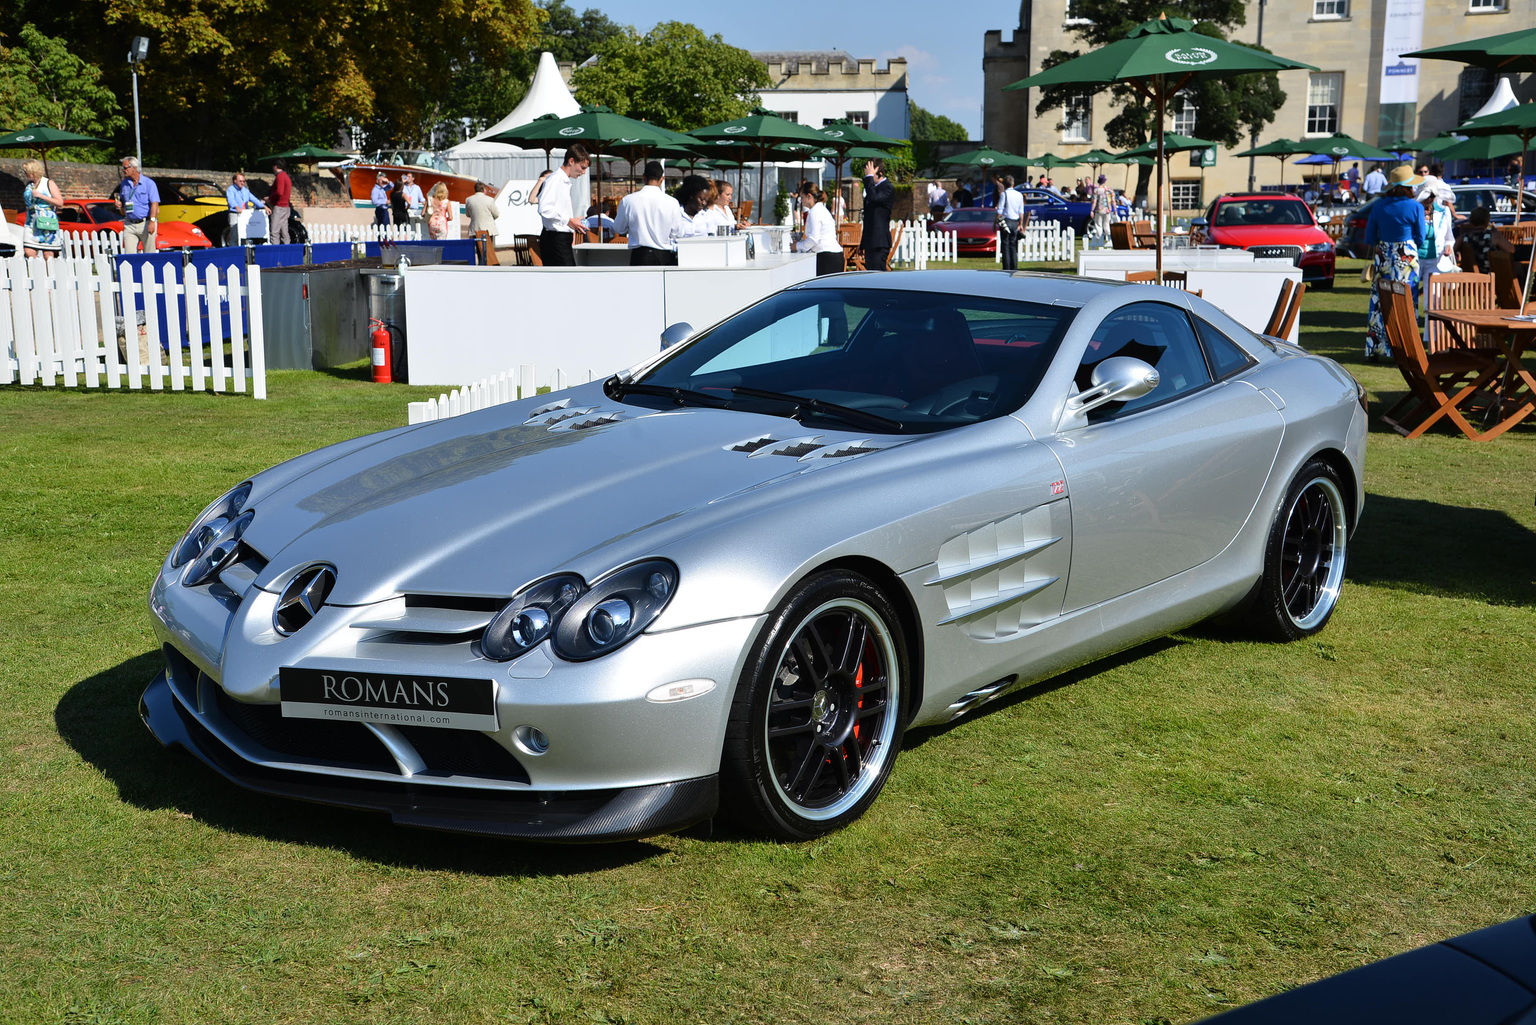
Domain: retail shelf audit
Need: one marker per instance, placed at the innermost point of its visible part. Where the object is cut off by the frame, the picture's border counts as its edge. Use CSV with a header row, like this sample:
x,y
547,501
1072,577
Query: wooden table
x,y
1517,386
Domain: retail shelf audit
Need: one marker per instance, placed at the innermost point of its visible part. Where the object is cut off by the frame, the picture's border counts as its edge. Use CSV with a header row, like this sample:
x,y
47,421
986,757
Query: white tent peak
x,y
547,94
1503,98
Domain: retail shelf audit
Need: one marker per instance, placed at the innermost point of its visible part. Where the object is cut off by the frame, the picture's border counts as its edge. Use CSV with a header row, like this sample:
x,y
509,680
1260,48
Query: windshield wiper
x,y
803,405
682,396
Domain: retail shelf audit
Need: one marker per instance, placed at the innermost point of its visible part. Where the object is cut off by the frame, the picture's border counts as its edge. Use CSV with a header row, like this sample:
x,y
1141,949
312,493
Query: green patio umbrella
x,y
1051,161
1158,58
986,158
1095,157
1519,121
1483,147
45,137
1344,147
1512,52
760,132
1172,143
308,153
1280,148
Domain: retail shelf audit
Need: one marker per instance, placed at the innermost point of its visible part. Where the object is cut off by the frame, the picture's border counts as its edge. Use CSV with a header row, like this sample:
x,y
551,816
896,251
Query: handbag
x,y
44,217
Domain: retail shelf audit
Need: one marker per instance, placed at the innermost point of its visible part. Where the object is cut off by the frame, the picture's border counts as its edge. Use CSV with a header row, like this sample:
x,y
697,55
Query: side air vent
x,y
595,420
858,448
753,444
546,409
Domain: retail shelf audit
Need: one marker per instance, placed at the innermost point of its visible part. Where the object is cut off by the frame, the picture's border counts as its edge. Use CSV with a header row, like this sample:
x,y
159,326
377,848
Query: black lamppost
x,y
137,51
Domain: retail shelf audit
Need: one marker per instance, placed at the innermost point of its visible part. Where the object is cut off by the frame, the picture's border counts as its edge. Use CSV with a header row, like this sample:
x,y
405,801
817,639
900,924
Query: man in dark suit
x,y
879,198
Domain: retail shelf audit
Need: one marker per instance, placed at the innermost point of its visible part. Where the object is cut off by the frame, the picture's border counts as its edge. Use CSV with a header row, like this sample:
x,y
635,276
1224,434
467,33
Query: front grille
x,y
464,753
1292,253
342,744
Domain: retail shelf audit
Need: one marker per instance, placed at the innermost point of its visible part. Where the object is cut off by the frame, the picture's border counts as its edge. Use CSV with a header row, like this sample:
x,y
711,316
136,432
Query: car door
x,y
1163,483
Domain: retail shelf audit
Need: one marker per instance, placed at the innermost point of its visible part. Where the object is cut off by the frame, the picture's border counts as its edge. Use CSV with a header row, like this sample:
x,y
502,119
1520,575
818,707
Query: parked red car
x,y
93,215
1271,225
974,228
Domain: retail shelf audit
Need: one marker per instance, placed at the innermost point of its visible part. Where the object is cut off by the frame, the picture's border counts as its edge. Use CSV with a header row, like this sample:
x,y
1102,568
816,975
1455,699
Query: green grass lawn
x,y
1190,825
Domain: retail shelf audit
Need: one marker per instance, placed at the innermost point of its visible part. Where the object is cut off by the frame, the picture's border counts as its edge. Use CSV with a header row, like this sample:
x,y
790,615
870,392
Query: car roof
x,y
1258,195
1026,286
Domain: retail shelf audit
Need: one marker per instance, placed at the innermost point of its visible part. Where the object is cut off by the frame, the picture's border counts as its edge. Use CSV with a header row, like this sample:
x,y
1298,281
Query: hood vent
x,y
804,448
753,444
596,419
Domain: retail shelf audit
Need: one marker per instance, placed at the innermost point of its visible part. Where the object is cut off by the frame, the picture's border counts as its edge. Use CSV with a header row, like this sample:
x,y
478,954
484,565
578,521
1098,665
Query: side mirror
x,y
1199,222
679,332
1117,379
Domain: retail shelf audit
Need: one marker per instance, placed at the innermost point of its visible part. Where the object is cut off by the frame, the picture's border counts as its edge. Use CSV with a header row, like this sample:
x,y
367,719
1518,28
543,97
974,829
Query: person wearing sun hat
x,y
1395,228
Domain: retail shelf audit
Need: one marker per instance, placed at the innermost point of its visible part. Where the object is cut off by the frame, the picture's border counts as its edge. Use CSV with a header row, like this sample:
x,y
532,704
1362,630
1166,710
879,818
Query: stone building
x,y
1361,88
814,87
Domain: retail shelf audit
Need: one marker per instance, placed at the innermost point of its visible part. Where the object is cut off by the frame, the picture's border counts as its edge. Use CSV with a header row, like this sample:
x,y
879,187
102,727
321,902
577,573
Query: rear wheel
x,y
818,715
1304,559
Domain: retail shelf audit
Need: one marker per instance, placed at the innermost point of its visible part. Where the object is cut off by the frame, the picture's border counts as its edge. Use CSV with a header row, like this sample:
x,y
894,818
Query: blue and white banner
x,y
1402,32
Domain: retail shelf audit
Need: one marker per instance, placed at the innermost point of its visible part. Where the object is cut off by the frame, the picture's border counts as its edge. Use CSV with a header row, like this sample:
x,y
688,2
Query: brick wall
x,y
91,181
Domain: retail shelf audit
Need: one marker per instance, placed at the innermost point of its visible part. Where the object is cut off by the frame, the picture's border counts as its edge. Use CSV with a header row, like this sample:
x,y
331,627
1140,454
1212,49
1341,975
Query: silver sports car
x,y
727,580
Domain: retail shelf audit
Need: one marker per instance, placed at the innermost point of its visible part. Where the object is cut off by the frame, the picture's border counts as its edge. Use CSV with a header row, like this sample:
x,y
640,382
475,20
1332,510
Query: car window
x,y
1224,355
971,216
101,212
1155,333
928,361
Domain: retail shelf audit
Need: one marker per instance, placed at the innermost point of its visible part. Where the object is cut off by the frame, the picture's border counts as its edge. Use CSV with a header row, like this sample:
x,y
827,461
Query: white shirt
x,y
1375,182
718,217
1012,207
820,232
938,195
555,202
691,227
649,217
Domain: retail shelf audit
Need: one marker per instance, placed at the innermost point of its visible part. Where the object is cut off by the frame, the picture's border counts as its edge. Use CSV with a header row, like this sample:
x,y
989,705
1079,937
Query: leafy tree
x,y
674,76
928,128
1227,110
228,80
487,86
46,84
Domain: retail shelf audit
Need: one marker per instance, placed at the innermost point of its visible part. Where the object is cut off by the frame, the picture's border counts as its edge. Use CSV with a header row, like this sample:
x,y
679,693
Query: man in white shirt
x,y
1375,183
651,219
1010,211
938,200
415,199
560,221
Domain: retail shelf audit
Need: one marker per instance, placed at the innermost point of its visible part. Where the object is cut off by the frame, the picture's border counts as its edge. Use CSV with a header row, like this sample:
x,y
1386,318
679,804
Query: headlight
x,y
530,617
617,609
220,549
208,525
1320,247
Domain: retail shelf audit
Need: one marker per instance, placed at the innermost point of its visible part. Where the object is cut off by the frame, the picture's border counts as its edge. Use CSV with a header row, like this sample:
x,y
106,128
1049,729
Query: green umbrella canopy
x,y
593,125
761,129
1278,148
1172,143
1508,51
1483,147
45,137
845,133
1097,156
986,157
1051,160
308,153
1339,146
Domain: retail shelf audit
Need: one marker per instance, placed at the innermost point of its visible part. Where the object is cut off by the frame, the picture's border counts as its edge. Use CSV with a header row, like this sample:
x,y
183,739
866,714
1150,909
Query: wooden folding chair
x,y
1287,307
485,249
890,254
1120,236
527,250
851,236
1457,292
1441,385
1506,280
745,213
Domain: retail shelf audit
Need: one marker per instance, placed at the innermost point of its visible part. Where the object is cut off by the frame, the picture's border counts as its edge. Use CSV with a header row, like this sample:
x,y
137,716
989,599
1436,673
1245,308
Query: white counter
x,y
468,324
1232,279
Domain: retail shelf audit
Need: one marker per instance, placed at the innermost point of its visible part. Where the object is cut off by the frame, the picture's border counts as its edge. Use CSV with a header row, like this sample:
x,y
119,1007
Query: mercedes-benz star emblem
x,y
303,598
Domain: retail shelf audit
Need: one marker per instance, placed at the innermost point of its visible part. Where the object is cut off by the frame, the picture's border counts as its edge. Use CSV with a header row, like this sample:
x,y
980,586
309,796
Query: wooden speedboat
x,y
428,167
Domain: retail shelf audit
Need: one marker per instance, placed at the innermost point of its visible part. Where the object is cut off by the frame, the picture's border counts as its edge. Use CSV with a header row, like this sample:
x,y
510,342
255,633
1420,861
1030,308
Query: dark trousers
x,y
876,259
829,263
381,215
555,249
1008,248
645,256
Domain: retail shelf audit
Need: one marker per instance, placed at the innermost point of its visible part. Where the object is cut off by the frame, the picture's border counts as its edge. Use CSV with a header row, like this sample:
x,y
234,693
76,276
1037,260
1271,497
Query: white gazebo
x,y
497,162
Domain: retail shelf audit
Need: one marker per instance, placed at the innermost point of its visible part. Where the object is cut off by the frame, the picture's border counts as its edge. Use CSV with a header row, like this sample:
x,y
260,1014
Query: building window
x,y
1184,112
1185,194
788,115
860,118
1475,89
1485,6
1074,14
1324,10
1077,118
1323,93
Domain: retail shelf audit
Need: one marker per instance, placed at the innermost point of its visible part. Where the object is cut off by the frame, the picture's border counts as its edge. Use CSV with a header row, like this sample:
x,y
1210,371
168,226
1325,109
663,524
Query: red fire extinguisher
x,y
382,371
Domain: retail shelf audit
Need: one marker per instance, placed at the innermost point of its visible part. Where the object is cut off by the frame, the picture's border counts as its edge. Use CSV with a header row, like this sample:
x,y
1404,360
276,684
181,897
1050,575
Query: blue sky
x,y
942,44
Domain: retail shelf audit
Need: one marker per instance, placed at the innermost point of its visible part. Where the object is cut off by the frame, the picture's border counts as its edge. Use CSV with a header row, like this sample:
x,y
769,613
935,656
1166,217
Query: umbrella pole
x,y
1525,295
1162,99
760,162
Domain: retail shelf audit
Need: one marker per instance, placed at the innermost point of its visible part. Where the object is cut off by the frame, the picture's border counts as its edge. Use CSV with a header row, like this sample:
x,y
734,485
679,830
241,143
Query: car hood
x,y
968,228
482,503
1269,235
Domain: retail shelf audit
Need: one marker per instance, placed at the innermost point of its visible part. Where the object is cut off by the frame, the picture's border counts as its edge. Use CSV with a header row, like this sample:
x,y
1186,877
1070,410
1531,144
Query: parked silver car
x,y
730,578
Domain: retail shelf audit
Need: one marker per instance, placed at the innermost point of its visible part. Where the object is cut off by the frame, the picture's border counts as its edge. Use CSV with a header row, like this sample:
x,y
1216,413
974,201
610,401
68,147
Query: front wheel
x,y
1304,559
818,715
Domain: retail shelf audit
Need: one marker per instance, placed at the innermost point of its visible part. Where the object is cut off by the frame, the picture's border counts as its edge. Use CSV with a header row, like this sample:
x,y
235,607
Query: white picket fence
x,y
89,245
504,387
919,247
1044,242
67,322
363,232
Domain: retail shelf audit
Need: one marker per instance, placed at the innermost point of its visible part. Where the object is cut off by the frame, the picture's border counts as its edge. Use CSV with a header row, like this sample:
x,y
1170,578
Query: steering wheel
x,y
954,398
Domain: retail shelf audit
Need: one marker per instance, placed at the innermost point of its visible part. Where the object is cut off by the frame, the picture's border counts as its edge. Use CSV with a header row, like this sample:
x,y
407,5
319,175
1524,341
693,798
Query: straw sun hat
x,y
1403,175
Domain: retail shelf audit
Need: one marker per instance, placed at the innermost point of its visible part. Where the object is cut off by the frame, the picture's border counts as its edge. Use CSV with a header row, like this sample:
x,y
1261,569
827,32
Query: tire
x,y
1304,559
1325,285
817,718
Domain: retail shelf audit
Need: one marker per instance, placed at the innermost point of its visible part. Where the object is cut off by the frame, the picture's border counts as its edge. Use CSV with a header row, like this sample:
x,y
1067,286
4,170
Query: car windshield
x,y
970,216
100,213
872,359
188,192
1262,211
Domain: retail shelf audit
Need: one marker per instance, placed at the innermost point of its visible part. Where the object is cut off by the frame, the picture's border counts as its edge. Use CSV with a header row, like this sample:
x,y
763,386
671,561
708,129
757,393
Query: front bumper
x,y
564,816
